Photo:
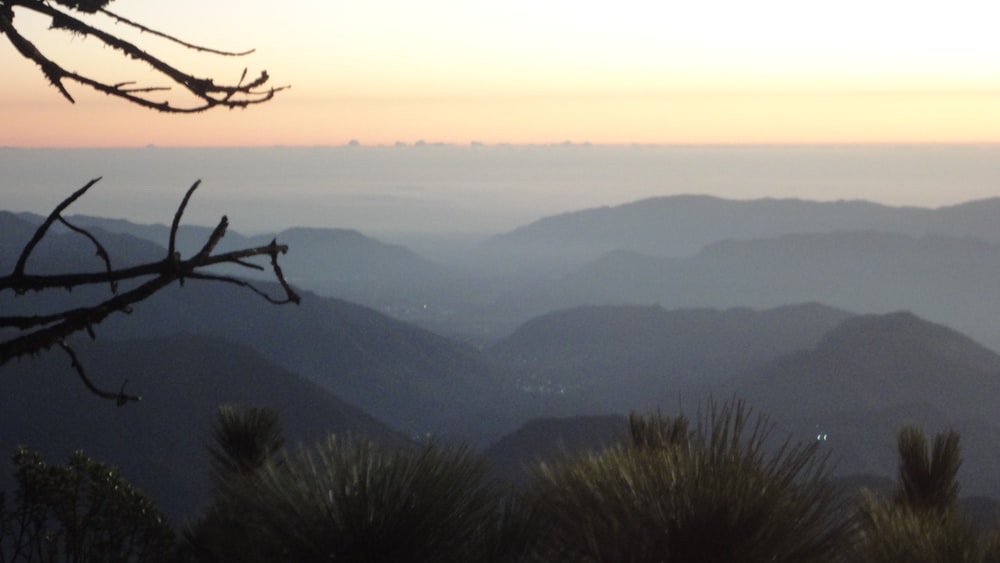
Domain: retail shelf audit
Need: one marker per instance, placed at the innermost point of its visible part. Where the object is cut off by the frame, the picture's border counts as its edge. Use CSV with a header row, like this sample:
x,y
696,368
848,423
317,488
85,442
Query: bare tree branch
x,y
102,253
173,39
121,397
44,227
41,332
207,93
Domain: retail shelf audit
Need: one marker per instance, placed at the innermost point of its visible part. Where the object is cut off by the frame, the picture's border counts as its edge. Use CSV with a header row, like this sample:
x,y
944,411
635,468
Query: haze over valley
x,y
534,320
446,281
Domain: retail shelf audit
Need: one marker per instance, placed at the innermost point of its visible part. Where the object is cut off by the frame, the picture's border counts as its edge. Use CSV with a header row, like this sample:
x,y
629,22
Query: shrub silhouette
x,y
922,521
347,499
928,477
81,511
246,438
712,493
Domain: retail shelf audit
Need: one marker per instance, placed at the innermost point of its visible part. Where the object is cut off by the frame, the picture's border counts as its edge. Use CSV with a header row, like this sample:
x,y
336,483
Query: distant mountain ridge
x,y
854,255
323,255
946,279
619,358
682,225
332,262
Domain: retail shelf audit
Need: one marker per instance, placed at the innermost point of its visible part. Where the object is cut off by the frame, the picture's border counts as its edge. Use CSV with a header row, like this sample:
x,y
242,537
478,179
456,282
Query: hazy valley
x,y
839,319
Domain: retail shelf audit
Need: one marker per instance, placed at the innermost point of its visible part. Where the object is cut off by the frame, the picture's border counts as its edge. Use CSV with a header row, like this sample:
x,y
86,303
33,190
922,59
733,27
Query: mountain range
x,y
942,278
832,330
677,251
412,379
626,357
682,225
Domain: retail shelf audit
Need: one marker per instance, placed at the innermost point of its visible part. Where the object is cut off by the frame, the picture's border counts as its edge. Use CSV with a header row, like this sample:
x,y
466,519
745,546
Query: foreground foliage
x,y
347,499
714,493
81,511
922,522
716,490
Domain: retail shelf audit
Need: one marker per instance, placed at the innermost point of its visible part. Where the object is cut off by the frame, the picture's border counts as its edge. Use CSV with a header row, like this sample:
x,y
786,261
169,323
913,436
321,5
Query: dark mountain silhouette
x,y
763,253
408,377
682,225
874,373
620,358
946,279
882,361
332,255
549,439
16,231
328,261
160,442
405,376
341,263
190,238
62,252
853,387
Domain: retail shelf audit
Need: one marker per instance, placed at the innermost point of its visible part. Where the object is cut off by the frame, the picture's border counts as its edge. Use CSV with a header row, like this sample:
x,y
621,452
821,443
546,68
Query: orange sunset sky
x,y
547,71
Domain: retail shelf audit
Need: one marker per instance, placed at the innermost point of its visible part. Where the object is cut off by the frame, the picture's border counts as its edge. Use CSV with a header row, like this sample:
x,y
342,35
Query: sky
x,y
387,71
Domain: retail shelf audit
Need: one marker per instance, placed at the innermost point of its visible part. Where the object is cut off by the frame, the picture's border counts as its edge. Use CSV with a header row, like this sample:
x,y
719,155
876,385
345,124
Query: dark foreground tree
x,y
718,492
81,511
76,17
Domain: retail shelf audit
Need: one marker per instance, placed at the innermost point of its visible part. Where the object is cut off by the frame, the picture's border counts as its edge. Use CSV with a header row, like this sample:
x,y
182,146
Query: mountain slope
x,y
883,361
620,358
549,439
875,373
332,262
160,442
341,263
408,377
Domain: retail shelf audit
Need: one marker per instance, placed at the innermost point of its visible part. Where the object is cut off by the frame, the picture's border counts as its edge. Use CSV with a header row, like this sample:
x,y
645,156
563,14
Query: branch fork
x,y
41,332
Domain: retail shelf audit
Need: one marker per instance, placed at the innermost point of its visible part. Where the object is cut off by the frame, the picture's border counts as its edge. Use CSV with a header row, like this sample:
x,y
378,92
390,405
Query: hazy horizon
x,y
476,190
529,72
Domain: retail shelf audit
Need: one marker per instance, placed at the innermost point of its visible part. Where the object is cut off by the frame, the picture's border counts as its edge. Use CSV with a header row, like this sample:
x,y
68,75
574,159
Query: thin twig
x,y
204,89
172,248
44,227
102,253
213,240
173,39
121,397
